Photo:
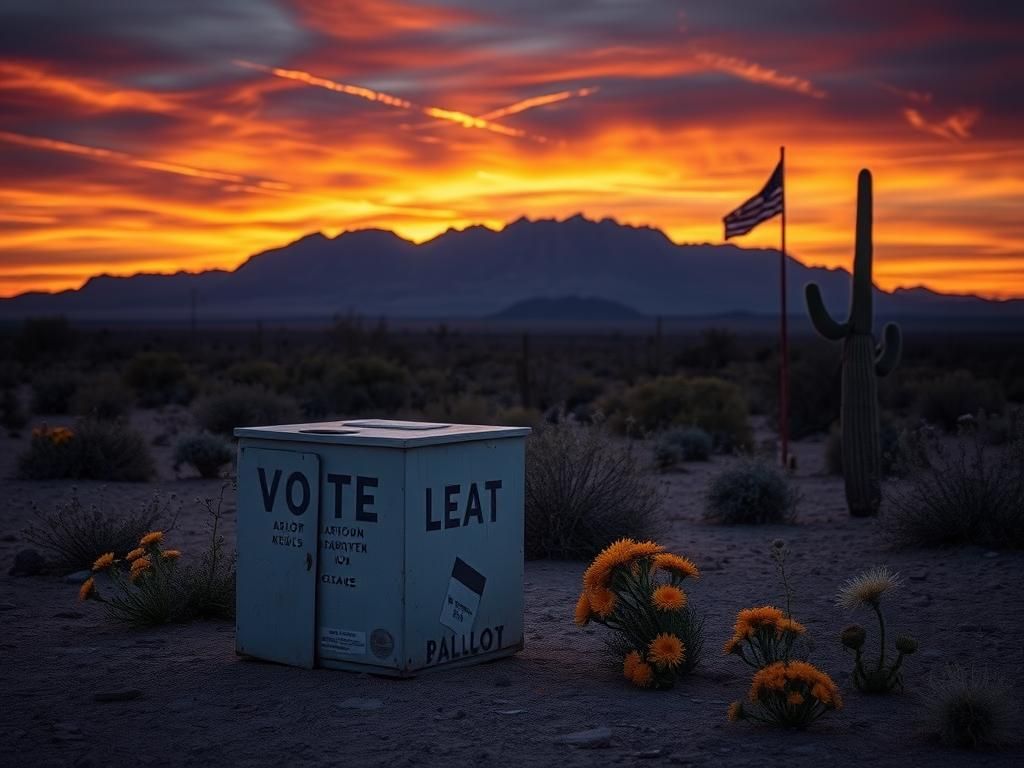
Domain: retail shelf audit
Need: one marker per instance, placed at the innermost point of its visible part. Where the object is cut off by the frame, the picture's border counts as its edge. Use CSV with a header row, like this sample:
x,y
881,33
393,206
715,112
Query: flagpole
x,y
784,367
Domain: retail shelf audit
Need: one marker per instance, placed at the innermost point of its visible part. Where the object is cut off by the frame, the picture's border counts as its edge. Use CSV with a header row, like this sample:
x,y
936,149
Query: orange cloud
x,y
955,127
755,73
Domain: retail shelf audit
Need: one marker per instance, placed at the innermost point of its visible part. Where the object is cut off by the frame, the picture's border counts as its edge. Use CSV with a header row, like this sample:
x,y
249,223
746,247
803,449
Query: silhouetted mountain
x,y
477,271
570,309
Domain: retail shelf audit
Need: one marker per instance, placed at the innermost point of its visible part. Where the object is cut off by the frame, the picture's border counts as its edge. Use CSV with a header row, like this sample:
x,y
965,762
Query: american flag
x,y
761,207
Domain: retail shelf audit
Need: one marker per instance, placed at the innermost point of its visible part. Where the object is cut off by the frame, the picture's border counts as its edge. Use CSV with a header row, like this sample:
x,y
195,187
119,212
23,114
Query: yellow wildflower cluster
x,y
622,590
798,682
56,435
139,561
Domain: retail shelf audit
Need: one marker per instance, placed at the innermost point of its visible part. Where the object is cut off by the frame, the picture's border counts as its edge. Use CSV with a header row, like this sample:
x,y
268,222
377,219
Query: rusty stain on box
x,y
380,546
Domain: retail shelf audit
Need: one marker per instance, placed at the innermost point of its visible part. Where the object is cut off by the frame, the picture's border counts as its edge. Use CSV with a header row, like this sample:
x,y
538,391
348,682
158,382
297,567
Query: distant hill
x,y
528,268
569,309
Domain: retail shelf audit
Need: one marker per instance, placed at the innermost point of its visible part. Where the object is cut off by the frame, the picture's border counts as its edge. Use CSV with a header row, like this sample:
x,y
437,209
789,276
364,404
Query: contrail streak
x,y
123,158
449,115
538,101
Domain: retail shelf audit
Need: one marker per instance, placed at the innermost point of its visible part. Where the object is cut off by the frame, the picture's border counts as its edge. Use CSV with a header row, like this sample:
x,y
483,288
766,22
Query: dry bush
x,y
207,453
946,397
966,492
74,535
245,407
583,491
970,709
92,450
754,491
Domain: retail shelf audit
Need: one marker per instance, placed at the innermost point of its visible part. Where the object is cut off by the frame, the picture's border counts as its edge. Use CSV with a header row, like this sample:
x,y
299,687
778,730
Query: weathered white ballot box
x,y
380,546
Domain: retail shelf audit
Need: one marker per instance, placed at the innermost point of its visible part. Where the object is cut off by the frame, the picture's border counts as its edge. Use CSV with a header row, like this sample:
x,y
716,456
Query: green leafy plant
x,y
752,492
634,588
784,691
206,453
584,490
866,591
73,534
863,361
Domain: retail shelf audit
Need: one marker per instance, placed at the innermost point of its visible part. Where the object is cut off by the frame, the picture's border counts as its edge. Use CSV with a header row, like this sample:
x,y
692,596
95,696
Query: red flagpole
x,y
784,367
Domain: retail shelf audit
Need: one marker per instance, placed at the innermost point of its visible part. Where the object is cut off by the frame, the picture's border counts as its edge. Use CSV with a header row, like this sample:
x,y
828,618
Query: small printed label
x,y
343,641
465,587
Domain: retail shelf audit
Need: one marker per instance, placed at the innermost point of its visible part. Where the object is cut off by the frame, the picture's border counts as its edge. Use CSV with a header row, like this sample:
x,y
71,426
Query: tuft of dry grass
x,y
965,493
970,709
583,491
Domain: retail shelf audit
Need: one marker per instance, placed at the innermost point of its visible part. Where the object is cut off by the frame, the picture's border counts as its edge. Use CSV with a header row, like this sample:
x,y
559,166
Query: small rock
x,y
647,754
78,577
365,705
126,694
595,738
502,681
28,562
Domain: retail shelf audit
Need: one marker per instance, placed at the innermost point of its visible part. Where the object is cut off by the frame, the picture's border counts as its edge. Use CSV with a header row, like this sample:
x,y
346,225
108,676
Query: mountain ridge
x,y
478,271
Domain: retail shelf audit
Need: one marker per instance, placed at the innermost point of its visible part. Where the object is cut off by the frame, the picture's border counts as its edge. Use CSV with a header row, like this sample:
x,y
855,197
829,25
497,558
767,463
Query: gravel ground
x,y
79,690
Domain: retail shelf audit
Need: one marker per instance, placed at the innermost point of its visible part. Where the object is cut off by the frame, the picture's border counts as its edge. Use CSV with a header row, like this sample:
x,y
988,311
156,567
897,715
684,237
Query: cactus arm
x,y
889,350
822,320
860,300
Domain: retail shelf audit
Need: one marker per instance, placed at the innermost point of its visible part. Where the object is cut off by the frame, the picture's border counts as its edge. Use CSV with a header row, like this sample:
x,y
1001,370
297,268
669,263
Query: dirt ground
x,y
197,703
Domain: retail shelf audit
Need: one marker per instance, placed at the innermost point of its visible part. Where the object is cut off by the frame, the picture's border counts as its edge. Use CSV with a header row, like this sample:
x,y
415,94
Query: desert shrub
x,y
207,453
947,397
753,491
365,384
53,389
714,405
517,416
583,491
814,391
93,450
583,391
960,491
103,397
73,533
694,443
159,378
666,453
45,339
148,586
464,409
245,407
970,709
12,416
262,373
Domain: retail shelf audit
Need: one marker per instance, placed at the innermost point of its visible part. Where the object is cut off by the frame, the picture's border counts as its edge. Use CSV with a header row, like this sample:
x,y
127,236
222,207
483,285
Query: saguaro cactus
x,y
862,361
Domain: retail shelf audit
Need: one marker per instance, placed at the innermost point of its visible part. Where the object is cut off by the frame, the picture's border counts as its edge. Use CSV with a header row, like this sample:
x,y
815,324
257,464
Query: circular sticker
x,y
381,643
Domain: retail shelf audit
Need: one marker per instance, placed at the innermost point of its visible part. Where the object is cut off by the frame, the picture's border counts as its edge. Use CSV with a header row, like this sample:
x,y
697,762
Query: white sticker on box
x,y
344,641
465,588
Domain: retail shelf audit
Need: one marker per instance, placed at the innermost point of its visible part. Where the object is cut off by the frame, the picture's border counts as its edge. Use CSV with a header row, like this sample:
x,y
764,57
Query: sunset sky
x,y
188,134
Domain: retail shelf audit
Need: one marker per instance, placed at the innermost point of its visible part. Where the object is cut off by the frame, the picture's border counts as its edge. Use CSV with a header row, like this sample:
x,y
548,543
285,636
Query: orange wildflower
x,y
582,617
602,601
668,598
87,589
629,664
643,674
153,537
680,566
135,554
795,699
749,620
666,650
103,562
140,566
788,625
170,554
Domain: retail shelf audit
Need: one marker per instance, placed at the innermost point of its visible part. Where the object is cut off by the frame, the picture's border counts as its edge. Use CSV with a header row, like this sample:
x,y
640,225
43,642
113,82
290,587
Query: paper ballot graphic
x,y
465,587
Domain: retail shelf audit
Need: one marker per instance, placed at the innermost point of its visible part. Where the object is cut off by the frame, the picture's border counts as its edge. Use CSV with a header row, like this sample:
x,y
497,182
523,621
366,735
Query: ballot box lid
x,y
386,433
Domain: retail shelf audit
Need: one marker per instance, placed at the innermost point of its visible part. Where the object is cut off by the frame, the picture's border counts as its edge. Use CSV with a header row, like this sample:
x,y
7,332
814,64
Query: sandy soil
x,y
198,704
